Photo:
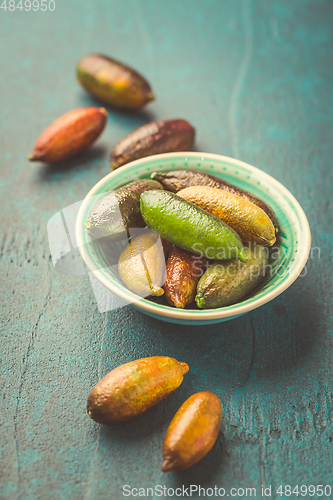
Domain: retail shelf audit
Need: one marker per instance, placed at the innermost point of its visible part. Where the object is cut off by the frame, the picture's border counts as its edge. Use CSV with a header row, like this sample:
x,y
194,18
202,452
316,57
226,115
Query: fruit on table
x,y
183,271
141,264
133,388
69,135
192,431
113,82
189,227
246,218
225,283
119,211
162,136
176,180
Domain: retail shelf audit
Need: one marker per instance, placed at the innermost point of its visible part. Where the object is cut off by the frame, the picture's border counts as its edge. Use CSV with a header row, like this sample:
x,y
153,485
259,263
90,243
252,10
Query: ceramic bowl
x,y
293,242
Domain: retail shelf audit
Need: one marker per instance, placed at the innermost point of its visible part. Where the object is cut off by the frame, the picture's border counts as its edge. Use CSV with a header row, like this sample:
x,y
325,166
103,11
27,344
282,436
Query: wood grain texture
x,y
254,78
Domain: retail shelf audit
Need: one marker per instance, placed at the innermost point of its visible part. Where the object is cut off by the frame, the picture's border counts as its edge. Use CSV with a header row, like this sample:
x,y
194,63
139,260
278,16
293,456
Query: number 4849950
x,y
28,5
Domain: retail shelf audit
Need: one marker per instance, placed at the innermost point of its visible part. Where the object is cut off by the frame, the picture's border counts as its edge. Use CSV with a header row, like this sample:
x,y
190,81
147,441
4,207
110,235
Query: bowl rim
x,y
183,314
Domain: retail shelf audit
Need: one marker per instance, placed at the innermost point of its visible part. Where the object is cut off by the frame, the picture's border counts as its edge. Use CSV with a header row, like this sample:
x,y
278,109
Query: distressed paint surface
x,y
255,79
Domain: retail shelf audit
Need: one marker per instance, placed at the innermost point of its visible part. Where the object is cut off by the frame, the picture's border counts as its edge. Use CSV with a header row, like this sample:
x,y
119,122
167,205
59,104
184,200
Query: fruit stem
x,y
242,256
103,110
184,366
156,176
156,291
200,301
167,466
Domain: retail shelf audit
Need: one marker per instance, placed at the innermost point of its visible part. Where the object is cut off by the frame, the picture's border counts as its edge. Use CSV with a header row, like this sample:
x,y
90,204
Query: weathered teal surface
x,y
255,79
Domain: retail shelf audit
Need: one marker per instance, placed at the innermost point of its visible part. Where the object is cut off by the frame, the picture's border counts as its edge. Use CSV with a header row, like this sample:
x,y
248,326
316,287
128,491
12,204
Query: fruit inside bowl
x,y
262,255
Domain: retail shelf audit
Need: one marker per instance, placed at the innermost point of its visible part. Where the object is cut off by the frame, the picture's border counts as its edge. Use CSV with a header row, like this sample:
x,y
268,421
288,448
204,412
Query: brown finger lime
x,y
69,135
133,388
246,218
192,432
114,82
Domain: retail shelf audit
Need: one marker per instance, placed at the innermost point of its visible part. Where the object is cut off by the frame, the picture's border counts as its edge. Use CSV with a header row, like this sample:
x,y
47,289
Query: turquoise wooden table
x,y
255,79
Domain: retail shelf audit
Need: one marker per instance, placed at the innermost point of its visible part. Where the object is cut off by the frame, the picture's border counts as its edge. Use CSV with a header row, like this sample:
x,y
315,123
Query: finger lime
x,y
189,227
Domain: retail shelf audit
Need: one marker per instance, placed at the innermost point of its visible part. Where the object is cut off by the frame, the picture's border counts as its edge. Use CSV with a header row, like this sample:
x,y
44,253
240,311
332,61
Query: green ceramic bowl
x,y
293,243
